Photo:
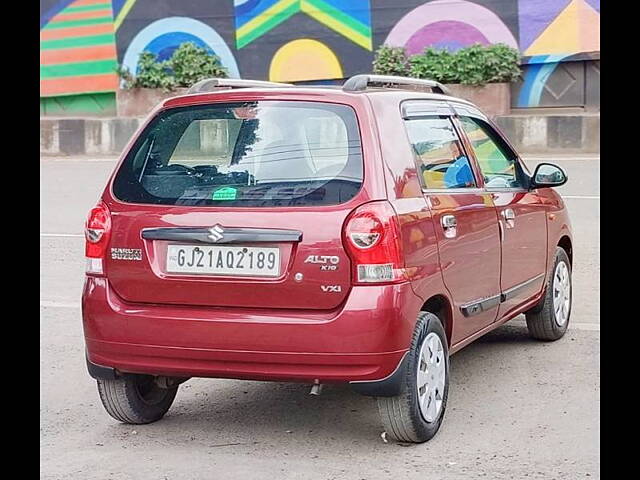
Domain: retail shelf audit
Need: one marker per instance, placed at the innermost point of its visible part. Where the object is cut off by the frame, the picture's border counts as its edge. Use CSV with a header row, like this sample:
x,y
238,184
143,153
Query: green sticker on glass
x,y
225,193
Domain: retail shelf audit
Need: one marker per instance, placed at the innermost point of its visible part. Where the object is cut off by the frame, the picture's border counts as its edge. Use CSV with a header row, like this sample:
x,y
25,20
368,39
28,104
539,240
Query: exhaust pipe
x,y
316,389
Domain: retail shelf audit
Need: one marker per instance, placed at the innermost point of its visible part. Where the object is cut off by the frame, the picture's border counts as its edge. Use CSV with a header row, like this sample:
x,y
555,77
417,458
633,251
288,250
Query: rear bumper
x,y
363,341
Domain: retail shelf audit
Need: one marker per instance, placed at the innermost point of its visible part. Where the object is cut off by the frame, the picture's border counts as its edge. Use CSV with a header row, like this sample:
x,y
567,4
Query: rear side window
x,y
439,155
251,154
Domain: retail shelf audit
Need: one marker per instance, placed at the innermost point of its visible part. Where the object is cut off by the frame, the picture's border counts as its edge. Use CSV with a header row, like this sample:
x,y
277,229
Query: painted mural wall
x,y
296,40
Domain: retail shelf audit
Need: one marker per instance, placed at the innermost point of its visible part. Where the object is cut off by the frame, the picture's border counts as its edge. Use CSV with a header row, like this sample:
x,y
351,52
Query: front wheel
x,y
416,413
550,318
136,399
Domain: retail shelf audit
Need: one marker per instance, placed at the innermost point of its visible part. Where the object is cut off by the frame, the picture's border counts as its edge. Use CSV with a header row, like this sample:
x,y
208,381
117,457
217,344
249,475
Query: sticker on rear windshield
x,y
225,193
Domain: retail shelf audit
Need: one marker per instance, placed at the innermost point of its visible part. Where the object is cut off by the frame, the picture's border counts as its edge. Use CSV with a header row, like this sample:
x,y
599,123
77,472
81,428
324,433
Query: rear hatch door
x,y
237,205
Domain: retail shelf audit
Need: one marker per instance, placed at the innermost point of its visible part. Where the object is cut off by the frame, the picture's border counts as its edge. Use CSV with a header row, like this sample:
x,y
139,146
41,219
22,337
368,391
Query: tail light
x,y
97,232
372,238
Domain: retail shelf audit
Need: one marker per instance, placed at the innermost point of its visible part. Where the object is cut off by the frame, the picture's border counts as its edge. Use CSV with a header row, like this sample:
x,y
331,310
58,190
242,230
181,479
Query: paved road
x,y
517,408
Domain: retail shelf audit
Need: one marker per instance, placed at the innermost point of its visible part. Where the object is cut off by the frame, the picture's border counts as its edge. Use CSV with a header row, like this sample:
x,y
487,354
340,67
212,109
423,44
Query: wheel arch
x,y
441,307
567,246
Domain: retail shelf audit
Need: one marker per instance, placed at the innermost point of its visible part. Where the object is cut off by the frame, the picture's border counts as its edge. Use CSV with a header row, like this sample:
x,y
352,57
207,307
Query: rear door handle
x,y
449,225
509,217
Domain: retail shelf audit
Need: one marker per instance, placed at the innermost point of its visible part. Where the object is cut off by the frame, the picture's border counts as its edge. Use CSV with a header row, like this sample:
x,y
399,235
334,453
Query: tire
x,y
135,399
401,415
546,321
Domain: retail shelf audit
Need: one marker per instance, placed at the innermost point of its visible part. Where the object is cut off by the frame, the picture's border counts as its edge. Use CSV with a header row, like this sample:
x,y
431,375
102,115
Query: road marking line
x,y
74,235
56,304
582,197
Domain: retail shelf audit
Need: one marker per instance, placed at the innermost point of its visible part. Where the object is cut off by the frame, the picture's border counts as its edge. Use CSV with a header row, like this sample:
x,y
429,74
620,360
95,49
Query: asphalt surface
x,y
517,408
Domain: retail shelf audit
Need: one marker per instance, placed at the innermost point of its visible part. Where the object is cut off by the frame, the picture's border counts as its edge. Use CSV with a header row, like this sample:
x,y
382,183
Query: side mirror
x,y
548,175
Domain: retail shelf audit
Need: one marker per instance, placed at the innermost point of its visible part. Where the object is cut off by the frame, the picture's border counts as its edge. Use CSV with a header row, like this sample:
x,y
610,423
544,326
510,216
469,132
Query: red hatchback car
x,y
356,234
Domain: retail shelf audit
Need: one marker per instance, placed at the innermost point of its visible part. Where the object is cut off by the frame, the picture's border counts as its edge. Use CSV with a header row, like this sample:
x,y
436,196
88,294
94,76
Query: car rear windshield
x,y
250,154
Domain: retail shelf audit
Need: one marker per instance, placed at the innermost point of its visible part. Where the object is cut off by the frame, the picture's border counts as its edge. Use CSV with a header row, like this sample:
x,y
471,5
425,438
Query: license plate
x,y
223,260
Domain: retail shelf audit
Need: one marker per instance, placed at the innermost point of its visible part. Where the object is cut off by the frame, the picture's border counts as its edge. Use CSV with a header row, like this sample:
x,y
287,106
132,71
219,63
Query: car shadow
x,y
224,412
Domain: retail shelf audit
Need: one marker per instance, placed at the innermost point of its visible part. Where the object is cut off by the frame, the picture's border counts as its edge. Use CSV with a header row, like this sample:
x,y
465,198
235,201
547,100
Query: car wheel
x,y
135,399
550,318
416,413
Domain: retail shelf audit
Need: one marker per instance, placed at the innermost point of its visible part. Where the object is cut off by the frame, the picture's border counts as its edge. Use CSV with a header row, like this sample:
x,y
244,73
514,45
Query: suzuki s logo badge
x,y
216,233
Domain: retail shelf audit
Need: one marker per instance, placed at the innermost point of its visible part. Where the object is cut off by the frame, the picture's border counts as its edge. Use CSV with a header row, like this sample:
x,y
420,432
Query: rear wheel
x,y
416,413
136,399
550,318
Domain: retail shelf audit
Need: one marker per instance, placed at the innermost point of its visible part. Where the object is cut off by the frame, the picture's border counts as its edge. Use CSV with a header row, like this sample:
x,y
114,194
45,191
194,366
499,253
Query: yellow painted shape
x,y
123,13
589,28
561,36
304,59
575,29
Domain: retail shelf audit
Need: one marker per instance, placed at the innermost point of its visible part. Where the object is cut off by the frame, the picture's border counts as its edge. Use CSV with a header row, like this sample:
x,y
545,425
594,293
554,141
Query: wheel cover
x,y
431,375
561,294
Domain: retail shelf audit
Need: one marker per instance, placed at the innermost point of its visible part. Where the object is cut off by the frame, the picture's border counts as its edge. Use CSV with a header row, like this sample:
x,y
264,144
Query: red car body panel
x,y
476,248
139,319
362,340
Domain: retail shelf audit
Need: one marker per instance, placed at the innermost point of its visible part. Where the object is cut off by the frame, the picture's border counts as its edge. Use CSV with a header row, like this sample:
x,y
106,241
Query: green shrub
x,y
434,64
474,65
151,74
188,65
391,61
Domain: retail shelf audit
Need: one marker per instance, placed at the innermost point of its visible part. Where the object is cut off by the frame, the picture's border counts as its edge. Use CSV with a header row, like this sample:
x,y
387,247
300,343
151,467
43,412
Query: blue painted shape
x,y
250,10
117,6
53,11
171,26
358,9
451,45
540,68
242,8
164,45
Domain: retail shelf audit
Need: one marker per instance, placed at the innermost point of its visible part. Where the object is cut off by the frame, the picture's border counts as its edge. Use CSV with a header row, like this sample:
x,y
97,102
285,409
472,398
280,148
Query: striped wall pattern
x,y
350,19
78,50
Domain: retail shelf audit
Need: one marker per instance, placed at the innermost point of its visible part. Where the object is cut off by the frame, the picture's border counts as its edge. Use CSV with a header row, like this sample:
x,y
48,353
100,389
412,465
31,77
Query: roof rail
x,y
212,84
359,83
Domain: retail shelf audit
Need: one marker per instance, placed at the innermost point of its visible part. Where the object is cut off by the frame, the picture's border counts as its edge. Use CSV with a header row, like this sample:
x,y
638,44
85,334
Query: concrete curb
x,y
552,133
546,134
85,136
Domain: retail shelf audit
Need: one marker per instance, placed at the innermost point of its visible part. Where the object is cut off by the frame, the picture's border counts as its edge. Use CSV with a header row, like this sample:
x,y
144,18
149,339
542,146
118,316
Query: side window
x,y
498,167
440,158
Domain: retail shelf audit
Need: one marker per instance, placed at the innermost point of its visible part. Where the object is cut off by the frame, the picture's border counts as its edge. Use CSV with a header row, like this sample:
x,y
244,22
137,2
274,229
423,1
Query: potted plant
x,y
478,73
157,80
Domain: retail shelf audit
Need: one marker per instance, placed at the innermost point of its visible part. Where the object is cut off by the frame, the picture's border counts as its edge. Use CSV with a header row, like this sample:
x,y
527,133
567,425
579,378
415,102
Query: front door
x,y
521,214
465,220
